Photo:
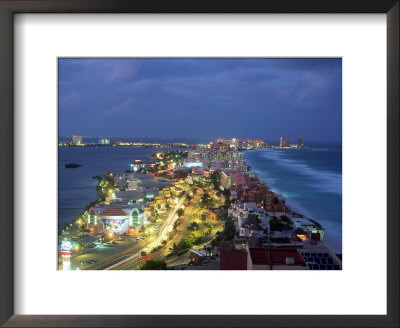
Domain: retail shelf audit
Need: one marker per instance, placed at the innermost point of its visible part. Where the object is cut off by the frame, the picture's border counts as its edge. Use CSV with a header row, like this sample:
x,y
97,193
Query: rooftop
x,y
259,256
113,211
279,255
130,194
233,260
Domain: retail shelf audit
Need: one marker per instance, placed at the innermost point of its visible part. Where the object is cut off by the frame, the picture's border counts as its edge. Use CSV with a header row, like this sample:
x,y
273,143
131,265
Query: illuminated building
x,y
251,143
129,196
222,146
234,143
193,164
66,252
300,142
138,164
77,140
104,141
222,141
119,219
310,225
274,202
232,178
284,142
231,158
160,202
226,180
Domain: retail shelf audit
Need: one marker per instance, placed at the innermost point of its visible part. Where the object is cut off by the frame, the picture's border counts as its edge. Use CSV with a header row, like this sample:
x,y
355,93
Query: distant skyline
x,y
202,98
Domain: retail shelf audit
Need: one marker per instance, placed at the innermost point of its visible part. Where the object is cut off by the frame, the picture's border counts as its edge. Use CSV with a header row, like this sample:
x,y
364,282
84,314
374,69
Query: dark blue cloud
x,y
201,98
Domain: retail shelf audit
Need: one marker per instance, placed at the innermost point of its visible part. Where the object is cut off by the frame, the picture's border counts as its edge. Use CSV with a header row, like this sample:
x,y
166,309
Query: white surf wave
x,y
324,181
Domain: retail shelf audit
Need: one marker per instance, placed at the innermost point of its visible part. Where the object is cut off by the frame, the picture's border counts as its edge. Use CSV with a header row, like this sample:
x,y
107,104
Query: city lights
x,y
157,218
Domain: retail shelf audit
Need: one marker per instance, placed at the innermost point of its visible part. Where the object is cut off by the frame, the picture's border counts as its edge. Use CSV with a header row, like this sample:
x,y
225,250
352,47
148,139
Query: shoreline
x,y
292,204
330,234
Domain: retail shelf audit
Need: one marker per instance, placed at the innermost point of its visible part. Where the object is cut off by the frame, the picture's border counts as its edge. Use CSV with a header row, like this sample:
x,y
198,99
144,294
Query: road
x,y
161,235
101,253
163,252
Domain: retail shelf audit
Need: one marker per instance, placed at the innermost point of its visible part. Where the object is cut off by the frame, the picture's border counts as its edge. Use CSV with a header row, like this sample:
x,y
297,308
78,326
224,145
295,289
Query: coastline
x,y
76,188
333,229
330,236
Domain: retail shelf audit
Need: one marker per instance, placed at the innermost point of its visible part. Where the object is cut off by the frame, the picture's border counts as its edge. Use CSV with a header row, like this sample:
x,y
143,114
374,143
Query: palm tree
x,y
82,228
174,248
205,198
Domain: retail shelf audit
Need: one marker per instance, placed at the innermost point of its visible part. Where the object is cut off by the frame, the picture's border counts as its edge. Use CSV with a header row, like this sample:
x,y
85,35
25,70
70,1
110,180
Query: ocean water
x,y
311,181
76,187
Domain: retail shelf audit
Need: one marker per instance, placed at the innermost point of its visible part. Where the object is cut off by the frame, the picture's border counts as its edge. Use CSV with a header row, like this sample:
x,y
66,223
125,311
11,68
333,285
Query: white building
x,y
115,218
310,225
104,141
251,220
77,139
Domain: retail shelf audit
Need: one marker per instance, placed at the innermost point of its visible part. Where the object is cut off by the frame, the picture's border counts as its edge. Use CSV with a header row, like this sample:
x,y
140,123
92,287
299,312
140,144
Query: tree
x,y
174,248
154,265
226,192
176,223
228,202
216,241
216,179
208,226
229,232
193,226
203,218
180,212
205,198
82,228
196,236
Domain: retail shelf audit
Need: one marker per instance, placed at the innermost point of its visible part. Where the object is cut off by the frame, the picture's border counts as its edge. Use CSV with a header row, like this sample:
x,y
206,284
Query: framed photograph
x,y
199,164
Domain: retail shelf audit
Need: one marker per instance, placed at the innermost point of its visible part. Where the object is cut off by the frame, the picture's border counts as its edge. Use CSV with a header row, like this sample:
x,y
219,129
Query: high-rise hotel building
x,y
281,141
284,142
77,139
300,143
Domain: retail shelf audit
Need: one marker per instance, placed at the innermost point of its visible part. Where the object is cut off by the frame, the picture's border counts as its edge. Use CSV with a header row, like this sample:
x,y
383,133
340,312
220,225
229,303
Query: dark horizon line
x,y
208,138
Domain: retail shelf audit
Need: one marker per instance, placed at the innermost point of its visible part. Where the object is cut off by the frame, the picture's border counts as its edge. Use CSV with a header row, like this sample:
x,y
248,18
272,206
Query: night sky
x,y
202,98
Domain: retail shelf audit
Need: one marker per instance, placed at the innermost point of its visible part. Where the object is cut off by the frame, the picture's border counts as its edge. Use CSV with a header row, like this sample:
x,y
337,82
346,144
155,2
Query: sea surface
x,y
311,181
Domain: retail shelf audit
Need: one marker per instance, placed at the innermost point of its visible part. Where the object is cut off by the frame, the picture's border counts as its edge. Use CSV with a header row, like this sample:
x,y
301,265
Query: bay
x,y
76,187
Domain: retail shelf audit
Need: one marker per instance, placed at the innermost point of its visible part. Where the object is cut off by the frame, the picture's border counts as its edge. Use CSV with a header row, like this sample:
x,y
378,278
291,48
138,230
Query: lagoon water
x,y
311,181
76,187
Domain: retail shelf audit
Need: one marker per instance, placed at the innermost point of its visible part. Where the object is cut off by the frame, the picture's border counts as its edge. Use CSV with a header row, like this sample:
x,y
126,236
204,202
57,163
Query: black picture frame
x,y
10,7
